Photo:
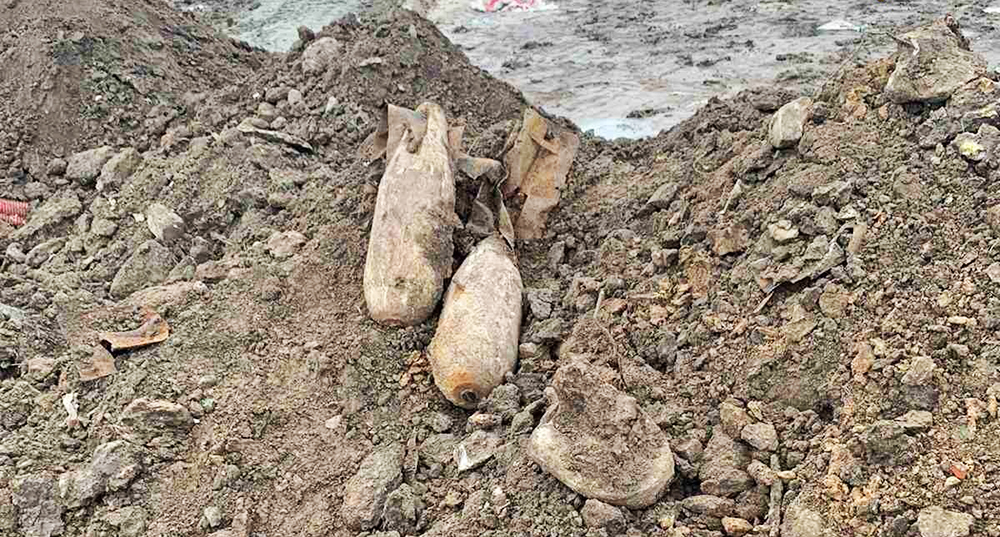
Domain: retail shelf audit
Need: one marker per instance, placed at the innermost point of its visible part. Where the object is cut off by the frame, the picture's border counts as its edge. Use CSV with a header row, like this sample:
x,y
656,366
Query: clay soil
x,y
288,384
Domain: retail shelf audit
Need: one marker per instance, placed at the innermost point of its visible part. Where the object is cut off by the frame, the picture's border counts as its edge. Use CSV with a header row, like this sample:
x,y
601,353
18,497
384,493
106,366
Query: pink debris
x,y
13,212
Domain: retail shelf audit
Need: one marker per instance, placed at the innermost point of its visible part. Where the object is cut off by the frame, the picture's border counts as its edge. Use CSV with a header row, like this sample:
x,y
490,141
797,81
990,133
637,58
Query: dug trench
x,y
796,298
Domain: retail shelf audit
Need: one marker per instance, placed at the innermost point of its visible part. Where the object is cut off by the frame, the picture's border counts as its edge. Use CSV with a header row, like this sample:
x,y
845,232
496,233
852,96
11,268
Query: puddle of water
x,y
625,68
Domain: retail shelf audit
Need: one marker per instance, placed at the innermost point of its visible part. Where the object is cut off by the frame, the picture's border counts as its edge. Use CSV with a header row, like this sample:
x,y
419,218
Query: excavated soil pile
x,y
811,327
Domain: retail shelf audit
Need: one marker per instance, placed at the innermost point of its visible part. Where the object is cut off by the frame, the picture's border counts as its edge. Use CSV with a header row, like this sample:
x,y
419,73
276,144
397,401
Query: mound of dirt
x,y
811,327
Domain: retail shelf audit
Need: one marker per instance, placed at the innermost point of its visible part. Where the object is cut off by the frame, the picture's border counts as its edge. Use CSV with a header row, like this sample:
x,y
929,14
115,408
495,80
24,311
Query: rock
x,y
733,418
38,506
761,436
993,218
102,227
56,167
504,401
705,504
837,194
211,517
273,95
439,448
475,450
149,265
39,368
691,449
51,213
319,54
727,481
284,244
586,419
980,146
783,231
937,522
736,526
762,473
294,98
547,331
86,166
402,510
728,240
886,442
663,197
920,372
557,252
597,514
40,254
119,168
721,473
539,302
439,422
365,493
916,419
130,521
993,272
113,466
146,419
789,122
163,223
801,521
933,62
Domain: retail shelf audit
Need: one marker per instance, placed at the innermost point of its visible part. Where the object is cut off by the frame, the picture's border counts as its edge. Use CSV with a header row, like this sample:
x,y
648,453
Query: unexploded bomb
x,y
476,340
410,247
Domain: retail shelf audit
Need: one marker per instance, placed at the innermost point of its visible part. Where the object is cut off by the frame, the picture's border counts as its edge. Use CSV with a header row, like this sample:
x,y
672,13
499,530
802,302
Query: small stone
x,y
691,449
783,231
56,167
118,169
539,302
584,410
102,227
113,466
728,240
557,253
733,418
886,442
916,419
837,193
86,165
266,111
274,95
207,405
663,197
439,448
294,98
211,517
284,244
762,473
736,526
993,272
163,223
920,372
149,265
207,381
761,436
933,64
145,419
663,258
993,218
938,522
319,54
952,482
402,510
365,493
597,514
706,504
789,122
801,521
440,422
475,450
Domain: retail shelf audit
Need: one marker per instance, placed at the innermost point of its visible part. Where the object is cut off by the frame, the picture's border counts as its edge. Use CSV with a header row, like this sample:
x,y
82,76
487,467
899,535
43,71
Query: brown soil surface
x,y
274,385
